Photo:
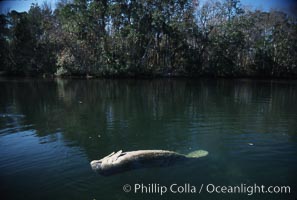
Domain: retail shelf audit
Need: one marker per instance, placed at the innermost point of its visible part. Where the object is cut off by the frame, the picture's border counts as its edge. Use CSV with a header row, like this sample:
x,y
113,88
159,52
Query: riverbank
x,y
145,76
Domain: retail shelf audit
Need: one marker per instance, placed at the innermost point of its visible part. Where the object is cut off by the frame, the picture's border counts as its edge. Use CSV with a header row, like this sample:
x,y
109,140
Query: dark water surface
x,y
51,130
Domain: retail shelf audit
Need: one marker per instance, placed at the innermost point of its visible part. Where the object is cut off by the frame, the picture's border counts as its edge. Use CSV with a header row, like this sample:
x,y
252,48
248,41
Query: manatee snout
x,y
96,165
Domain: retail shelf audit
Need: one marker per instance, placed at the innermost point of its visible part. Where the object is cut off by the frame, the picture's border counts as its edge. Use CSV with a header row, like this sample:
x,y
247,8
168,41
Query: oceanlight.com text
x,y
187,188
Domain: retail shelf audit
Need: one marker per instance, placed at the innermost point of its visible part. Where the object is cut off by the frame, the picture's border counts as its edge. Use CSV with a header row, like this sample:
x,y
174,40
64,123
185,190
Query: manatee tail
x,y
197,154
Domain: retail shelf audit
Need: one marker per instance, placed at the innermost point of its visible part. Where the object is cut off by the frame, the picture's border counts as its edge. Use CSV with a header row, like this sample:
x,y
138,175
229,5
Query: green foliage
x,y
135,38
29,49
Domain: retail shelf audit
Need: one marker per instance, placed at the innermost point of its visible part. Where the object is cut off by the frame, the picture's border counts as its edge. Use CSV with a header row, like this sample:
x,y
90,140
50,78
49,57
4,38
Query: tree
x,y
148,38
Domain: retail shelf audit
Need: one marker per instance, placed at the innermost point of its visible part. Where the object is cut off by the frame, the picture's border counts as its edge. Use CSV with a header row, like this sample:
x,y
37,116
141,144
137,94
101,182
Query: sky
x,y
289,6
22,5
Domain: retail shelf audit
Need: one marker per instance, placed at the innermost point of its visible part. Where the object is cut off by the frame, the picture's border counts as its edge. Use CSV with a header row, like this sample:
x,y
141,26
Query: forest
x,y
148,38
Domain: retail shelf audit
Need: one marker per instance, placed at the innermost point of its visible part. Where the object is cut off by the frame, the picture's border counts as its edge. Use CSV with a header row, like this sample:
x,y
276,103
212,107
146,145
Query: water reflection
x,y
123,109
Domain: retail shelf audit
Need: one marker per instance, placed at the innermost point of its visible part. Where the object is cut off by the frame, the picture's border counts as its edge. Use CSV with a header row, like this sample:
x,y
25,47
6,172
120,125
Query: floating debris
x,y
251,144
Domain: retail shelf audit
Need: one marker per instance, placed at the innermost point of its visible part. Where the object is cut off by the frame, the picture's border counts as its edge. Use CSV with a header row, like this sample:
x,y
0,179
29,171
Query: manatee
x,y
124,161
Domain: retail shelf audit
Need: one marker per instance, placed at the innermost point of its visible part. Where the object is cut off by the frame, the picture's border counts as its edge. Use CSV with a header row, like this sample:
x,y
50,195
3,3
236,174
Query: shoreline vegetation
x,y
146,39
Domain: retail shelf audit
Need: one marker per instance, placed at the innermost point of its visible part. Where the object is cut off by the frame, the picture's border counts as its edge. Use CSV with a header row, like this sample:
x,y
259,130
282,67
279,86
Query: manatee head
x,y
197,154
96,165
107,164
103,167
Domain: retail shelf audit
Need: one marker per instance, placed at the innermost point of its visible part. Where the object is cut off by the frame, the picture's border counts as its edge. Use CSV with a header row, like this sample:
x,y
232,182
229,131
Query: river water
x,y
51,129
